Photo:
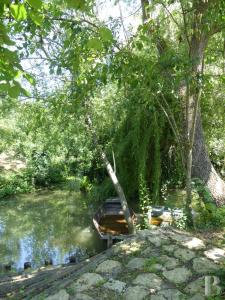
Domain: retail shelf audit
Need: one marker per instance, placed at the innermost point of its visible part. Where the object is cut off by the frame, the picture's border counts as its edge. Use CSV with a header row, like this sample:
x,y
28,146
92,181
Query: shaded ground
x,y
160,264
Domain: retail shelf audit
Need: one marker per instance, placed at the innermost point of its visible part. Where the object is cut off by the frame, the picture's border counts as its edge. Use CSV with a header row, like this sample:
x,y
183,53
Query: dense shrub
x,y
56,173
15,184
214,219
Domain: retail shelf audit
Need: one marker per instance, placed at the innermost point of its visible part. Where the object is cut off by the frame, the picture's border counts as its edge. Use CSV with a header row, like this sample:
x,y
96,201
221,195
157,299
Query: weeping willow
x,y
156,176
139,155
142,137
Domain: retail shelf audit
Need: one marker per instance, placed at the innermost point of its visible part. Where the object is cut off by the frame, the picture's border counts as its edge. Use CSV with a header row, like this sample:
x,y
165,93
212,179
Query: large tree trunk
x,y
203,169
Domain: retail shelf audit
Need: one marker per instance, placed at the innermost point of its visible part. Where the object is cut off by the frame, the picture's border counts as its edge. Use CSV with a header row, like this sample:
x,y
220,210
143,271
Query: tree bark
x,y
144,6
203,169
191,99
189,187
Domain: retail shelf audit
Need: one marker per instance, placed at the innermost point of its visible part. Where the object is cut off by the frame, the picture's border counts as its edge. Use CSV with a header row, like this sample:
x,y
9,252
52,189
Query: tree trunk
x,y
120,193
144,6
189,187
203,169
113,177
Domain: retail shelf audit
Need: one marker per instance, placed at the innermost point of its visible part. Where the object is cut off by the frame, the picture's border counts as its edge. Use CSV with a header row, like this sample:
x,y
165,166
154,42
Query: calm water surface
x,y
48,224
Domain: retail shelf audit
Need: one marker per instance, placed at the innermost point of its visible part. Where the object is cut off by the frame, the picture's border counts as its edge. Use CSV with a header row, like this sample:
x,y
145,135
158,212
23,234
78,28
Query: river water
x,y
47,225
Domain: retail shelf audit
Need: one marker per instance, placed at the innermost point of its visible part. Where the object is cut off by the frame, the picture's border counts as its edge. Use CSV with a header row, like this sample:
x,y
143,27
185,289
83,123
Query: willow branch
x,y
121,18
169,120
171,115
185,24
173,126
73,21
170,14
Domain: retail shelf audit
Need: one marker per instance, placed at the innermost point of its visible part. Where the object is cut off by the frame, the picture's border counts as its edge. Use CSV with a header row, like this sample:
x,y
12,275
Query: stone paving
x,y
159,264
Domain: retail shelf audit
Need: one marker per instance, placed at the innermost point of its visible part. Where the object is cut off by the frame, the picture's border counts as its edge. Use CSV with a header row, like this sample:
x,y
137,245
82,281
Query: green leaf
x,y
2,6
25,92
18,11
14,91
1,9
7,41
106,34
37,19
95,44
77,4
8,55
4,39
4,87
139,45
37,4
29,78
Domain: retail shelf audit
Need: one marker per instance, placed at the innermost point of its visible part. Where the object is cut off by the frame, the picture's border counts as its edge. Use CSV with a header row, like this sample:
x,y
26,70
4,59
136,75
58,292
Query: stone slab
x,y
168,294
169,248
61,295
86,281
202,265
196,286
197,297
159,240
109,267
80,296
178,275
149,280
149,252
136,263
169,262
136,293
178,237
115,285
184,254
194,243
216,254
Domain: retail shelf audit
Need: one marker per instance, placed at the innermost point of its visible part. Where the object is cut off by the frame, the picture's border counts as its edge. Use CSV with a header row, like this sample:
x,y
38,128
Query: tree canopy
x,y
151,78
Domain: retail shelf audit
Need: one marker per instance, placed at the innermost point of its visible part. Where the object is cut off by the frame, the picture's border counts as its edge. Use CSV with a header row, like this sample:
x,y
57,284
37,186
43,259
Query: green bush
x,y
212,219
15,184
103,191
38,166
56,174
25,181
44,171
209,215
85,185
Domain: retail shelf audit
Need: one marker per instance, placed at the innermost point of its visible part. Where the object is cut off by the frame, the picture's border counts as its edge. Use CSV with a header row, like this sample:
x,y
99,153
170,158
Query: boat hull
x,y
110,221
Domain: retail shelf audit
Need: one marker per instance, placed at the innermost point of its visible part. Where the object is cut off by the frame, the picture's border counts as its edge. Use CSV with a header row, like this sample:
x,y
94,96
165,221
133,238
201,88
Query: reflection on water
x,y
50,224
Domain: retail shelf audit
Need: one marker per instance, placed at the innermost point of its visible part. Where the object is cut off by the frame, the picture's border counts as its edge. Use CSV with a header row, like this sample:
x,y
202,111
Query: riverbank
x,y
154,264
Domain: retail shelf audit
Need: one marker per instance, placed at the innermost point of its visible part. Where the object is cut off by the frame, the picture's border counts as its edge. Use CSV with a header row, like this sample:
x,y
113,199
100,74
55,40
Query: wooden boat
x,y
110,222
